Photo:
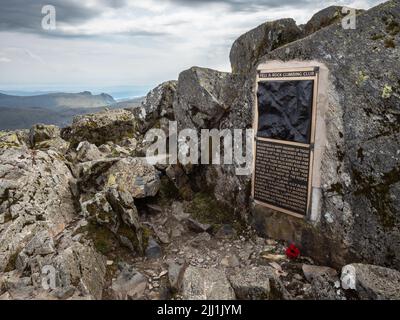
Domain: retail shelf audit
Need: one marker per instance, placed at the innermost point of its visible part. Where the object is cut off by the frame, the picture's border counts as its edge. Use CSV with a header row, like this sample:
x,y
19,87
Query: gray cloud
x,y
26,15
246,5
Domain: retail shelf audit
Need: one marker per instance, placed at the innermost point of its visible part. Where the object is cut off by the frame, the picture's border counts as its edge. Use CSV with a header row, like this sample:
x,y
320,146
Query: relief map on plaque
x,y
282,166
284,110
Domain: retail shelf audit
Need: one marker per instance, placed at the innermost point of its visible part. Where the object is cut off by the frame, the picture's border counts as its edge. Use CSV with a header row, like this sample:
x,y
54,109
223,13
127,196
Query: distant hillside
x,y
57,100
20,112
128,103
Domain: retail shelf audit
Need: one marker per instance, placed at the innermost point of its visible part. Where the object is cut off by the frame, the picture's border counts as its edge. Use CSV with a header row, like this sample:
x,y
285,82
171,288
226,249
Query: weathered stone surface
x,y
208,99
41,132
257,283
375,282
175,275
86,151
98,128
153,250
204,97
157,105
130,284
35,196
326,17
360,165
45,137
311,272
14,139
251,46
206,284
323,288
109,188
80,265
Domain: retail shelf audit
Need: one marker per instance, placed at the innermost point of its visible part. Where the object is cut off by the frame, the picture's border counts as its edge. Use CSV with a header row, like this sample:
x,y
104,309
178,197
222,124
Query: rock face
x,y
109,188
76,200
260,283
250,47
98,128
324,18
206,284
204,97
35,195
360,166
375,282
156,106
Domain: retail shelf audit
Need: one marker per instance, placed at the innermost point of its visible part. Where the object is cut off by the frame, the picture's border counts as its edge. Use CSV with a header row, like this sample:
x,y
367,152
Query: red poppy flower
x,y
292,252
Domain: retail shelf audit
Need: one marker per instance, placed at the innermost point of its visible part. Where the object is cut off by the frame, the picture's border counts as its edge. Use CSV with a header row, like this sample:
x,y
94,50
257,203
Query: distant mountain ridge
x,y
83,99
21,112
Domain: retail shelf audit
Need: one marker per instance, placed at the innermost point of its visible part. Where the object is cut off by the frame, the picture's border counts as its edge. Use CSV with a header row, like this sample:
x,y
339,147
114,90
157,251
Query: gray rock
x,y
324,18
376,283
98,128
197,226
251,46
230,261
81,264
153,250
157,105
201,240
180,179
130,284
206,284
360,165
203,97
42,132
323,288
226,232
87,152
35,196
46,137
257,283
14,139
310,272
175,275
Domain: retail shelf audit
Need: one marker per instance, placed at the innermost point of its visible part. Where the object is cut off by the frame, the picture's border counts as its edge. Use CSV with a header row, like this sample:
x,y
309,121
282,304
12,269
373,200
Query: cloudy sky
x,y
132,45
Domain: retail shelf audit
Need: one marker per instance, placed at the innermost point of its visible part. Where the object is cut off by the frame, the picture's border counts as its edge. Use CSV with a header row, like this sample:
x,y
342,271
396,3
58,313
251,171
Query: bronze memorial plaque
x,y
284,125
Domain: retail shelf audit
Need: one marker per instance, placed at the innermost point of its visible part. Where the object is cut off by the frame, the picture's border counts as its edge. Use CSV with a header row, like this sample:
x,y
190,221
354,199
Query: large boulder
x,y
35,195
209,99
206,284
157,105
374,282
109,188
98,128
204,97
251,46
360,180
326,17
257,283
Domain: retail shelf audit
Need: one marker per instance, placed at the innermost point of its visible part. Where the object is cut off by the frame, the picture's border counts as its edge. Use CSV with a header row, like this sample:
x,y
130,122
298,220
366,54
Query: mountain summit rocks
x,y
82,201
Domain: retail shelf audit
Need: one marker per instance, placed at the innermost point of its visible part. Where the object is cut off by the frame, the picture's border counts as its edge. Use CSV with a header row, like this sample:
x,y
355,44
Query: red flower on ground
x,y
292,252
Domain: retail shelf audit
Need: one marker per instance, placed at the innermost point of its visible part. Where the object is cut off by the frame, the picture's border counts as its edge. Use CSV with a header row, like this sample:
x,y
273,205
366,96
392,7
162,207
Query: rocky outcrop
x,y
360,166
204,97
374,282
206,284
35,195
156,107
324,18
259,283
109,188
99,128
251,46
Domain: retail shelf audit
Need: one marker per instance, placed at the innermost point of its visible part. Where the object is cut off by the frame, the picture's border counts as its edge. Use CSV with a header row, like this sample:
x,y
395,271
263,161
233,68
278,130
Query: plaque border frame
x,y
315,77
